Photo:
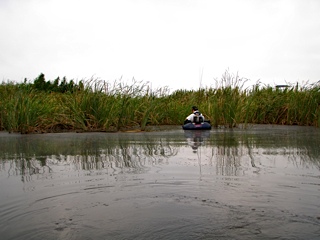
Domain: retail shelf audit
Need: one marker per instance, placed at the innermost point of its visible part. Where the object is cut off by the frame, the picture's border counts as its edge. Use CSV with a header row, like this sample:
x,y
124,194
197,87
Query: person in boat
x,y
195,116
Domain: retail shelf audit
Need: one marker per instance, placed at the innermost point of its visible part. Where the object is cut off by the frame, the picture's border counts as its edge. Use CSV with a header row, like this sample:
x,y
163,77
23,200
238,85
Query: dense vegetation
x,y
94,105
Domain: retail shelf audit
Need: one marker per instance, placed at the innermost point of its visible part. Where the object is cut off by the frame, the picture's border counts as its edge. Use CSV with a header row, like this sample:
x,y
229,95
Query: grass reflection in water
x,y
35,154
128,185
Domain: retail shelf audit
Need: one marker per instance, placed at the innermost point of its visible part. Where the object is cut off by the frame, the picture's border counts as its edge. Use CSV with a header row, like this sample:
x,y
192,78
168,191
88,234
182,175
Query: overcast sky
x,y
181,44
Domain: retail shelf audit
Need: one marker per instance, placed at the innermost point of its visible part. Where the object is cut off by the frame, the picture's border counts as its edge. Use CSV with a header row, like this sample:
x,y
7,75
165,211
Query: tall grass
x,y
102,106
24,111
291,106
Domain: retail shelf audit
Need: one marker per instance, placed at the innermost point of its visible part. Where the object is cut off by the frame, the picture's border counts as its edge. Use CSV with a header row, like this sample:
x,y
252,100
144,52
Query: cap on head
x,y
194,108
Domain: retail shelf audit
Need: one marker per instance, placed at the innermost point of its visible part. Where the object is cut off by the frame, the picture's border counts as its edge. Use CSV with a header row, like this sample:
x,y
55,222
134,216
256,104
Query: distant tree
x,y
81,86
63,86
71,86
40,82
55,86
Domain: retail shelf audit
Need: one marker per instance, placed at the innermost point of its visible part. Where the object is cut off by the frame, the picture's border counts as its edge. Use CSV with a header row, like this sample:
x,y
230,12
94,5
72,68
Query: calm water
x,y
258,183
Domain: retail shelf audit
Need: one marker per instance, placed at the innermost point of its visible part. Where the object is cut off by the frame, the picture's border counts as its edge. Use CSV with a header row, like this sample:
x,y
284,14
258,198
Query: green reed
x,y
24,111
292,106
102,106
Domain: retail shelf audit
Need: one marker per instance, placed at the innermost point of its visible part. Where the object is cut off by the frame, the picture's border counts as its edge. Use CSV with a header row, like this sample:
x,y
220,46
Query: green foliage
x,y
56,86
25,112
290,106
94,105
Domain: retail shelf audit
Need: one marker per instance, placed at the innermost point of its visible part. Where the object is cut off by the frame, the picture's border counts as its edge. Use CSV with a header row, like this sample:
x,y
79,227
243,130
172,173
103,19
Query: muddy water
x,y
258,183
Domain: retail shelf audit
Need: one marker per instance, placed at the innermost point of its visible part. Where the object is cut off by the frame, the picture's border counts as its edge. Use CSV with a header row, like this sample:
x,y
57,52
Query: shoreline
x,y
158,128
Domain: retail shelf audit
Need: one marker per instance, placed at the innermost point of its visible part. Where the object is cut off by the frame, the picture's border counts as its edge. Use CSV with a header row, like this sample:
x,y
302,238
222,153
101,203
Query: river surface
x,y
262,182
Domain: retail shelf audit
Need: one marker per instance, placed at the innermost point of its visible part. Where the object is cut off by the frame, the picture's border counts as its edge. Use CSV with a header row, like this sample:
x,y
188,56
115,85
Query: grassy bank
x,y
93,105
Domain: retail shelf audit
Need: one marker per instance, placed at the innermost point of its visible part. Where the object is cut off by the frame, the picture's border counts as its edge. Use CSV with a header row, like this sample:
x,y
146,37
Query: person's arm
x,y
188,119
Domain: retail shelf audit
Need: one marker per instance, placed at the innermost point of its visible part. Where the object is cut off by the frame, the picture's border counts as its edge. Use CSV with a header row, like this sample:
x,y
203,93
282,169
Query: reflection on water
x,y
196,138
262,182
25,156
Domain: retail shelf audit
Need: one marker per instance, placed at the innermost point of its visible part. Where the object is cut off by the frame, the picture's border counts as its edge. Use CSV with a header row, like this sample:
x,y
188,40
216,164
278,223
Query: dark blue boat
x,y
197,126
198,122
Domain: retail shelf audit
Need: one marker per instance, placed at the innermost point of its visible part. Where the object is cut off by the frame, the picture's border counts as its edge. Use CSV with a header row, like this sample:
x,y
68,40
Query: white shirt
x,y
190,117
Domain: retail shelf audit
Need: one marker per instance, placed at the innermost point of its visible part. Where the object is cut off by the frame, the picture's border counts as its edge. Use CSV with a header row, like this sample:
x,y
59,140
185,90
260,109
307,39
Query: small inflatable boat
x,y
196,126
